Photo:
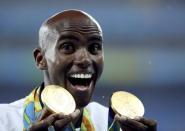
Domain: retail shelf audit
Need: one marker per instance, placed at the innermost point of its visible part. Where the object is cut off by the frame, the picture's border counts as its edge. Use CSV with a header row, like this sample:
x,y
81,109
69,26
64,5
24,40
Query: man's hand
x,y
137,124
57,120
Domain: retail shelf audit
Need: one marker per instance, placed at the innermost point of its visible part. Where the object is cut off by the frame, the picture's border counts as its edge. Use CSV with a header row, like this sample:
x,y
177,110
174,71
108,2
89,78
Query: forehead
x,y
73,20
77,26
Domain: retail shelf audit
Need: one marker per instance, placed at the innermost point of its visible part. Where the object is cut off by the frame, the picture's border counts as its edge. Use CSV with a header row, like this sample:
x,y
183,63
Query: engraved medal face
x,y
126,104
58,100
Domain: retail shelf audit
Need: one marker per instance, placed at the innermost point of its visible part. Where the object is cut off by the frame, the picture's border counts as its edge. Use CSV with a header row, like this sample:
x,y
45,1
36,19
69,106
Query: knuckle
x,y
58,125
31,127
153,123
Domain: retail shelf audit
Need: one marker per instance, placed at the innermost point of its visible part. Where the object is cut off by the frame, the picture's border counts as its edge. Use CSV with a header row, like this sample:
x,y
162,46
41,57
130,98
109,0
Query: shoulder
x,y
11,115
99,115
16,106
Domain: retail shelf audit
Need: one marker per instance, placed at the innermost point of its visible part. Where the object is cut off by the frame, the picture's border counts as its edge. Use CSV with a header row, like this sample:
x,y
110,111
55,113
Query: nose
x,y
83,59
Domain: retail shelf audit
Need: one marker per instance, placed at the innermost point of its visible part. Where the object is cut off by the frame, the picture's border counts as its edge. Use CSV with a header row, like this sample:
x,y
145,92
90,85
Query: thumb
x,y
75,114
45,113
120,118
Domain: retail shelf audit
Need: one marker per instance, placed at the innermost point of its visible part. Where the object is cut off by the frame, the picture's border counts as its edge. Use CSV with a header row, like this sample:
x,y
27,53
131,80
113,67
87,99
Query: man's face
x,y
75,58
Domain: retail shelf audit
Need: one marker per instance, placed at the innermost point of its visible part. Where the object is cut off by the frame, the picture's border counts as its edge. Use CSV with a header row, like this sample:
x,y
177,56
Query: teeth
x,y
82,76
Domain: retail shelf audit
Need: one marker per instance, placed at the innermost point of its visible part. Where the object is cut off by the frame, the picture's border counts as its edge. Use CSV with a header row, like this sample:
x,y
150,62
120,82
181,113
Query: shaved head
x,y
60,21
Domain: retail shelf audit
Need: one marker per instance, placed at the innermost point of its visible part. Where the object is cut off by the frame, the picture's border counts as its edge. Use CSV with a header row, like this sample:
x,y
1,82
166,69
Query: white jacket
x,y
11,116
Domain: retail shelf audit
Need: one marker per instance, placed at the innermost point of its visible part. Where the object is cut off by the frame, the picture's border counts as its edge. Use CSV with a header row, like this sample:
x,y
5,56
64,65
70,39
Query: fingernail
x,y
78,110
116,116
137,118
124,117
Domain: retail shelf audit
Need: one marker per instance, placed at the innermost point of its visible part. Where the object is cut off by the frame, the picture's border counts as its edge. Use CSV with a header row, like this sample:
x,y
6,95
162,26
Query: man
x,y
70,48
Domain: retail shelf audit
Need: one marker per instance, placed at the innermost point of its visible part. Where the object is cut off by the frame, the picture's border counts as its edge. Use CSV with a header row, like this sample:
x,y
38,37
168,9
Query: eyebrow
x,y
95,37
68,36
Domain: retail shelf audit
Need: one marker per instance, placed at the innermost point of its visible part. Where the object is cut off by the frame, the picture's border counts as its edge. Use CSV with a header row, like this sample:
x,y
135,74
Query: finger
x,y
60,124
43,124
127,122
75,114
65,119
126,129
45,113
59,116
146,121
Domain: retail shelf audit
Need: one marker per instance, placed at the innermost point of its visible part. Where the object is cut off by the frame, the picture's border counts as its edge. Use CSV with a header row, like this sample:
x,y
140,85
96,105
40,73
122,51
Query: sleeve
x,y
11,117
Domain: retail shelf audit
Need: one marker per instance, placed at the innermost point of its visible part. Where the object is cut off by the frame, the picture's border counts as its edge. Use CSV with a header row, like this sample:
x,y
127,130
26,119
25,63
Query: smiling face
x,y
73,54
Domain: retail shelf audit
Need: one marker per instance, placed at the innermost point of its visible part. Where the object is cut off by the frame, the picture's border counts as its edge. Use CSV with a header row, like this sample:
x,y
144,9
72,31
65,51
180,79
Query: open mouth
x,y
82,80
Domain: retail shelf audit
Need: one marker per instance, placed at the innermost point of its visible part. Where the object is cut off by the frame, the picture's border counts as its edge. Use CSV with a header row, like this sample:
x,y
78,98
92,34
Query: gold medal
x,y
126,104
58,100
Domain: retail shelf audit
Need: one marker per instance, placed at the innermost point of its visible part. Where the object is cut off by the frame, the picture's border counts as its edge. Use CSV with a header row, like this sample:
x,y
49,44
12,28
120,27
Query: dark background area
x,y
144,44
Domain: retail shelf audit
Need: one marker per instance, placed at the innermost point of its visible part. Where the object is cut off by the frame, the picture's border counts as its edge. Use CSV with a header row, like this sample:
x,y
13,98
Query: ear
x,y
40,59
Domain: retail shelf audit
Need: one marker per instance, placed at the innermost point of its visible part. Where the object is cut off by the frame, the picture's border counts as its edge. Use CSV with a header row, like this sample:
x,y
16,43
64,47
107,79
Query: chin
x,y
82,103
82,100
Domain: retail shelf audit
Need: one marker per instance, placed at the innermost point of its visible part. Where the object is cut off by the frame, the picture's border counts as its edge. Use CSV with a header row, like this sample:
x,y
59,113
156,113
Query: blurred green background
x,y
144,43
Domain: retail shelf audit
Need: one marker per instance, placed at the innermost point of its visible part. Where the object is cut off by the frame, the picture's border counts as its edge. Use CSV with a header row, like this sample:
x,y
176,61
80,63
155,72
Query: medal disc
x,y
58,100
126,104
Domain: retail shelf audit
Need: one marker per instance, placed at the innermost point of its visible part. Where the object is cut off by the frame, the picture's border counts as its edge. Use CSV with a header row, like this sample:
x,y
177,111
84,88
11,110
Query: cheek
x,y
57,68
62,65
54,69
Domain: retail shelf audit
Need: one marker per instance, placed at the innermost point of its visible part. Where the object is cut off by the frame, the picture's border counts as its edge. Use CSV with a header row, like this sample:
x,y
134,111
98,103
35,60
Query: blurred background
x,y
144,43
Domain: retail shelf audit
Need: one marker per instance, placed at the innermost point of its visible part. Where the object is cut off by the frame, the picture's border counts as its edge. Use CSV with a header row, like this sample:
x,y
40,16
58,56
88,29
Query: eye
x,y
67,47
95,48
